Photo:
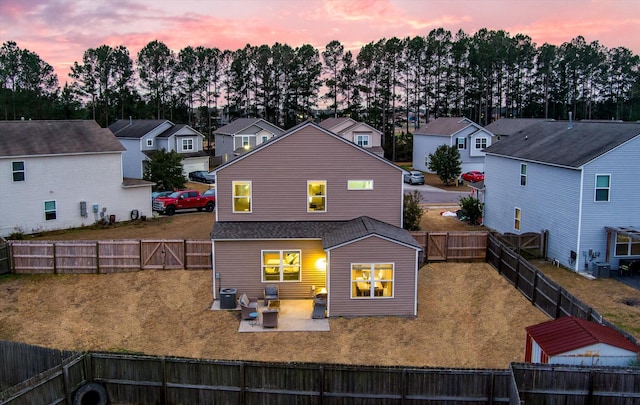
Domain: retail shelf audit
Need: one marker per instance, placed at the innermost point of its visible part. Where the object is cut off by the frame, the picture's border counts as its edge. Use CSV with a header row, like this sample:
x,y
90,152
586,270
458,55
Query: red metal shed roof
x,y
569,333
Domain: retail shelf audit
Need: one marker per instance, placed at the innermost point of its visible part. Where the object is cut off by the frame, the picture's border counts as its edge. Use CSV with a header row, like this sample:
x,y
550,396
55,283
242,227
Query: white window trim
x,y
23,171
281,265
309,196
350,187
264,138
628,243
246,144
463,144
372,266
149,142
364,137
596,188
233,196
523,165
479,140
55,210
519,219
187,142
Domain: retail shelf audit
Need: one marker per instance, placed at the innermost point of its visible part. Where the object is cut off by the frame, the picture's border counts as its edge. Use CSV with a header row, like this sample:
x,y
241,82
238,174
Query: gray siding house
x,y
360,133
469,137
242,135
309,210
580,182
143,137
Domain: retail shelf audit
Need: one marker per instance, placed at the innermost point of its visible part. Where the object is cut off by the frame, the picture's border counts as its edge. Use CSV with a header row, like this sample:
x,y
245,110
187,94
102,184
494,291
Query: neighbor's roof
x,y
557,144
509,126
332,233
333,122
135,128
55,137
570,333
445,126
240,124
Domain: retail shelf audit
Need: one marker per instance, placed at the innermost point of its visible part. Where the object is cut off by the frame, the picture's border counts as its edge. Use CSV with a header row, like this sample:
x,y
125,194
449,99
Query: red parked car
x,y
473,176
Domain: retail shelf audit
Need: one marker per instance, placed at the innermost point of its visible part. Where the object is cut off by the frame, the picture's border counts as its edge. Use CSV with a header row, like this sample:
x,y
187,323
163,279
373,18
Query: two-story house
x,y
143,137
310,210
469,137
64,174
578,181
360,133
242,135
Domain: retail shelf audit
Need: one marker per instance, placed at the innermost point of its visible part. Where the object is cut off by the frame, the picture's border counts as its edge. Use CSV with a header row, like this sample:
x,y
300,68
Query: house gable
x,y
309,153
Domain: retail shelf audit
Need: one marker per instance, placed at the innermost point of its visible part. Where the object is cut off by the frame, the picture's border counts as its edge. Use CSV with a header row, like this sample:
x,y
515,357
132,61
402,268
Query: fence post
x,y
242,386
321,385
163,366
55,262
97,258
517,280
535,287
558,303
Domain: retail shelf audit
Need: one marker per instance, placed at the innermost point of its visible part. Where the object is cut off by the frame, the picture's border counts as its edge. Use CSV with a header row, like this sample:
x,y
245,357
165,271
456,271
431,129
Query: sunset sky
x,y
59,31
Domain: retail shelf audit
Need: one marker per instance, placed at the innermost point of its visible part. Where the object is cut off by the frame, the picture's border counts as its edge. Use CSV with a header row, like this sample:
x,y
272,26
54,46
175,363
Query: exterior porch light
x,y
321,264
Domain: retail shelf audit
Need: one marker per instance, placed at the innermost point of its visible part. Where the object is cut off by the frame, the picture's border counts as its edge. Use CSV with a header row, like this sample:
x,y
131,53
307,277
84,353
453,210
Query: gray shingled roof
x,y
55,137
509,126
332,233
445,126
239,124
134,128
332,122
557,144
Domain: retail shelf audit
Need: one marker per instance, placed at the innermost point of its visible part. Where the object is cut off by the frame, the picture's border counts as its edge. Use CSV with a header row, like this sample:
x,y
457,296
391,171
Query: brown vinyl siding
x,y
372,250
279,173
239,265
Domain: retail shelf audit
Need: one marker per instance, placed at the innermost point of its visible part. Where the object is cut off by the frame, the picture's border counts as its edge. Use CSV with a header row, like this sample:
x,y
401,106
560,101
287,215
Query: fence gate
x,y
162,254
437,246
4,257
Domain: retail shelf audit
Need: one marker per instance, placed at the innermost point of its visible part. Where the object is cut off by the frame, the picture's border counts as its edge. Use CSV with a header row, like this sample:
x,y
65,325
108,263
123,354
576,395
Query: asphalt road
x,y
433,195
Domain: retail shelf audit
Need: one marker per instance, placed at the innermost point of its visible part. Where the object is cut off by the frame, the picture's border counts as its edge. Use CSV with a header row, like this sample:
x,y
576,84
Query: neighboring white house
x,y
574,341
360,133
143,137
64,174
469,137
580,182
242,135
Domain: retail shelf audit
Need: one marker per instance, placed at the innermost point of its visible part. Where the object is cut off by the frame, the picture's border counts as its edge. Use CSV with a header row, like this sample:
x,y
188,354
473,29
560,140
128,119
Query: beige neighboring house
x,y
309,210
357,132
64,174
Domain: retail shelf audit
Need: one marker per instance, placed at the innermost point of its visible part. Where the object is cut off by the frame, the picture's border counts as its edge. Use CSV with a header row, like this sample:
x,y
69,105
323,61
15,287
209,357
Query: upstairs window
x,y
461,143
317,196
264,138
362,140
603,184
517,219
241,196
523,174
18,171
49,210
149,143
481,143
246,142
360,185
187,144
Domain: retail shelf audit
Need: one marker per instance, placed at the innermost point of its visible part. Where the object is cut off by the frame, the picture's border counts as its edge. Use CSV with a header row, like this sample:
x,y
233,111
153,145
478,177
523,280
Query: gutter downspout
x,y
577,268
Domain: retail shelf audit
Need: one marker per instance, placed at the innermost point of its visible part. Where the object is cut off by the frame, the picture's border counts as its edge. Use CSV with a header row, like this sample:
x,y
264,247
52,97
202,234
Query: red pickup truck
x,y
184,199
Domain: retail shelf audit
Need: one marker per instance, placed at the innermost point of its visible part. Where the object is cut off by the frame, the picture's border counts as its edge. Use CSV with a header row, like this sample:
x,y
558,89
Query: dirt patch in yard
x,y
468,316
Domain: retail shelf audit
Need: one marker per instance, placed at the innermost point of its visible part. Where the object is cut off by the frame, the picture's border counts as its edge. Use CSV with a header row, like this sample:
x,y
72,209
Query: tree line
x,y
388,83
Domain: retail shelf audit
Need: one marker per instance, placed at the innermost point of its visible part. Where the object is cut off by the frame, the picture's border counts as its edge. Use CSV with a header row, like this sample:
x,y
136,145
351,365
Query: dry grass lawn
x,y
468,315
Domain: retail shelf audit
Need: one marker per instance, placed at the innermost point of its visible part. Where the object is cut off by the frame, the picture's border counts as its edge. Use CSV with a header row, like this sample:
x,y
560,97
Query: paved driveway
x,y
434,195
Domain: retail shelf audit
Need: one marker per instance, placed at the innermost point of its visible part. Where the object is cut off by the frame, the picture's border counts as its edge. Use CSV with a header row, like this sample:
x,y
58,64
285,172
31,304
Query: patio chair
x,y
270,318
270,293
247,306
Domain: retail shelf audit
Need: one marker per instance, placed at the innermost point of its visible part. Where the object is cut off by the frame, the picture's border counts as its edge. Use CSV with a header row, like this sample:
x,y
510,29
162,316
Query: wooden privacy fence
x,y
440,246
528,244
542,291
108,256
5,265
164,380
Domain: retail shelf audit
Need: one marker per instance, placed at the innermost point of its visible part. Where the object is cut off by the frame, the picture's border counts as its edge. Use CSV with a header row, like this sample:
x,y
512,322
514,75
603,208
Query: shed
x,y
574,341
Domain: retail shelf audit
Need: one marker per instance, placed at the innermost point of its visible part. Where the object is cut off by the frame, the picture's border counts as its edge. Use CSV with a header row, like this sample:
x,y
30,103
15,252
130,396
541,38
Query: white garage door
x,y
193,164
